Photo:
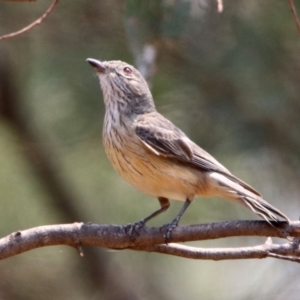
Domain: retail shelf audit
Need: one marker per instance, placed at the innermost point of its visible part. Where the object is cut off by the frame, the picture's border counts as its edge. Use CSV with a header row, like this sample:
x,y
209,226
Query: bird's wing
x,y
163,138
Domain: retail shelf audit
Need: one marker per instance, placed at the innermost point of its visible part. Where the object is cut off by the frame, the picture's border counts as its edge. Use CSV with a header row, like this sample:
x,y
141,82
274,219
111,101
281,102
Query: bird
x,y
156,157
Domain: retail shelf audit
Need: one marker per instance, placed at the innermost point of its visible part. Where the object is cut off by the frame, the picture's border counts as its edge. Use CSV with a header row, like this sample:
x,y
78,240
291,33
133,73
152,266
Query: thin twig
x,y
268,249
20,0
294,12
208,253
289,258
285,252
36,22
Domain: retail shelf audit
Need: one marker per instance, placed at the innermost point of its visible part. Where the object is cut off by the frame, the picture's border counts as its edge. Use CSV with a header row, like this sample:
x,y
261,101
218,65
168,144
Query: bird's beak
x,y
97,65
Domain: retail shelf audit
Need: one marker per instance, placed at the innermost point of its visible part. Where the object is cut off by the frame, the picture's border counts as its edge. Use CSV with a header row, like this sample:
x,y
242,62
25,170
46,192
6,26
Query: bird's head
x,y
123,83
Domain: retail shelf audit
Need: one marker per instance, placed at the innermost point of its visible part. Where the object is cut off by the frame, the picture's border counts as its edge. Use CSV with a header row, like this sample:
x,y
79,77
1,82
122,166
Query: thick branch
x,y
152,239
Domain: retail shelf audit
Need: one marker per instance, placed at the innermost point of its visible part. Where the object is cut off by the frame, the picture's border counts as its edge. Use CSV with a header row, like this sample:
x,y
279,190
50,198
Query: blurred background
x,y
230,81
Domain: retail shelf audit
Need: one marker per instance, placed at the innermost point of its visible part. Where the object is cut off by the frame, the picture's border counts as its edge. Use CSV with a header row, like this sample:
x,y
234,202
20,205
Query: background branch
x,y
33,24
294,12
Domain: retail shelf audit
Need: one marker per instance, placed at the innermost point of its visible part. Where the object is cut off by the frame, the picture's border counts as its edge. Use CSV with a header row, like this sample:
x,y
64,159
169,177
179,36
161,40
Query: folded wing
x,y
163,138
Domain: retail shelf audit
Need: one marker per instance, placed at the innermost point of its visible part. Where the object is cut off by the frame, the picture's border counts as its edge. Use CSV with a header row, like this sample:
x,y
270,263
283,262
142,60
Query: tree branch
x,y
294,12
152,239
286,252
30,26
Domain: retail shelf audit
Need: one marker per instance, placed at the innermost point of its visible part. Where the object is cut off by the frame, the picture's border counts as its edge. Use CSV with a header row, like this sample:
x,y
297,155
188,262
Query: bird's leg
x,y
169,227
164,205
135,227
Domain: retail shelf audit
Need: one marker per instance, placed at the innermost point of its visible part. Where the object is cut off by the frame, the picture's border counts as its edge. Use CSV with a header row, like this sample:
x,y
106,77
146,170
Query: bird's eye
x,y
127,70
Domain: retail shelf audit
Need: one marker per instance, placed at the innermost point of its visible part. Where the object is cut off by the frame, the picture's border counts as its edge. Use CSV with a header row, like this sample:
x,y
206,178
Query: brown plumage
x,y
155,156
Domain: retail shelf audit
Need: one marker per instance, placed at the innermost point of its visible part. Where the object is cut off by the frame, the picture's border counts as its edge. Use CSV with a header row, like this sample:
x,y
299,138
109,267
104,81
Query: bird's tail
x,y
263,209
239,192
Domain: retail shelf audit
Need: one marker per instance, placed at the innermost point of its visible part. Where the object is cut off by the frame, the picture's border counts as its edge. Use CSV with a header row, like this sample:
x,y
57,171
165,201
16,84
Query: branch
x,y
286,252
152,239
37,22
294,12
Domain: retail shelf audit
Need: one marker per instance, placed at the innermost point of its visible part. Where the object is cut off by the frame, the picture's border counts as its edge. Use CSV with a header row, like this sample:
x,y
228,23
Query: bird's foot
x,y
168,228
133,229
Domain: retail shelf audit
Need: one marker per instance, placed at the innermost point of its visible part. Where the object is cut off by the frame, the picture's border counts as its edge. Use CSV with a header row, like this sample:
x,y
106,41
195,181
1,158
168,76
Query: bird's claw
x,y
168,228
133,229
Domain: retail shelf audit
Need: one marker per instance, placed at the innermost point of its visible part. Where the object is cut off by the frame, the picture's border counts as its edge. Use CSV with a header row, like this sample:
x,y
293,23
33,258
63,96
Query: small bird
x,y
155,156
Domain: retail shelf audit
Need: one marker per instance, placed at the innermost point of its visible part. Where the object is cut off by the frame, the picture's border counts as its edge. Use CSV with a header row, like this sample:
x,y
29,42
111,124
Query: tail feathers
x,y
263,209
235,190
